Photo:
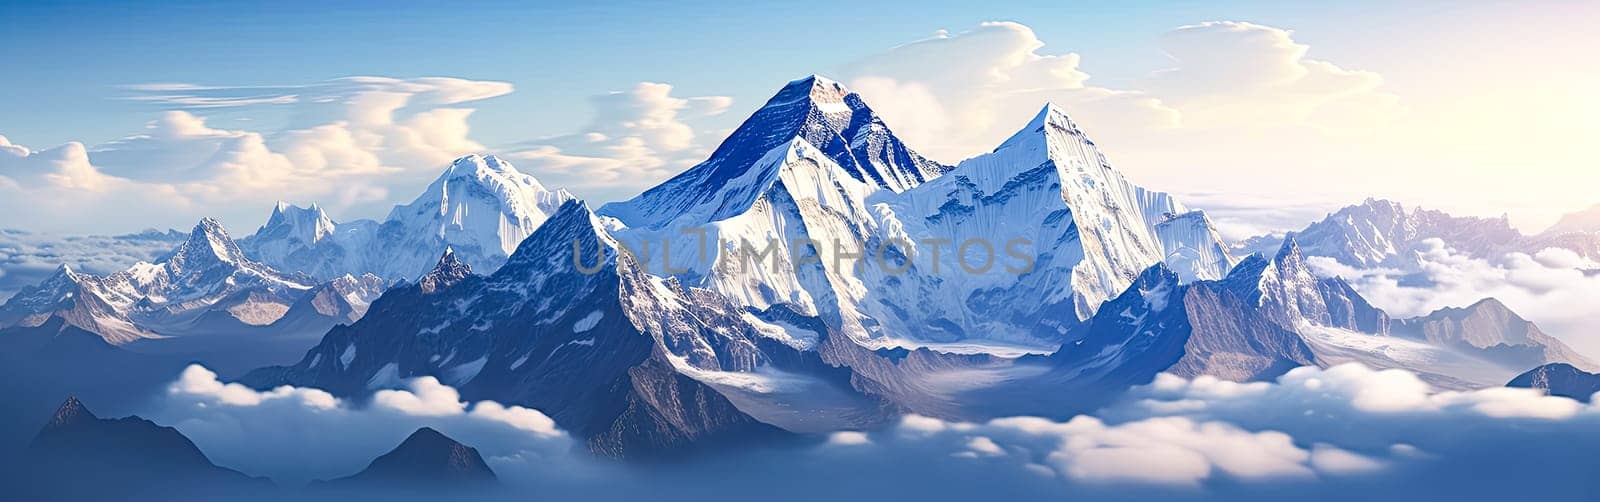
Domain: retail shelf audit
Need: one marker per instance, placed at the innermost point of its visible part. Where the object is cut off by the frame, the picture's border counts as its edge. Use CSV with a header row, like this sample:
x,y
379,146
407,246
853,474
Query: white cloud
x,y
350,141
1555,288
1347,431
1235,74
636,139
27,258
427,397
298,434
954,95
1234,115
59,189
849,438
1239,216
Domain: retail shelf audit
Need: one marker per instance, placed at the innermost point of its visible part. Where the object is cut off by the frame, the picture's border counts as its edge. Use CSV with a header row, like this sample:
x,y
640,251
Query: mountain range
x,y
814,274
301,273
481,207
1383,233
817,274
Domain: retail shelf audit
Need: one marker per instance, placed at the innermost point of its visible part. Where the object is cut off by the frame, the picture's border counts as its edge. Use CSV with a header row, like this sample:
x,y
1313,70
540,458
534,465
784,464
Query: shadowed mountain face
x,y
1560,380
426,459
589,348
125,458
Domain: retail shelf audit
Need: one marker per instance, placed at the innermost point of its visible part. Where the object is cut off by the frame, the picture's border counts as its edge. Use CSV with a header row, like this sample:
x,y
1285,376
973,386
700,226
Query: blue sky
x,y
73,56
1420,80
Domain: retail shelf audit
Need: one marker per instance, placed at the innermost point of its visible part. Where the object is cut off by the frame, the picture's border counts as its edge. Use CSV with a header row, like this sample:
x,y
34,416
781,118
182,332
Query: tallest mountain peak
x,y
819,87
817,93
1050,121
819,111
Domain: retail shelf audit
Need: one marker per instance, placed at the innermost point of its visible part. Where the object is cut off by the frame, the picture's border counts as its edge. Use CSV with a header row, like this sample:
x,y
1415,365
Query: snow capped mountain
x,y
204,286
1096,231
793,283
1270,315
307,241
76,299
568,325
1287,290
1248,326
96,254
446,273
820,112
1386,233
480,206
291,224
962,257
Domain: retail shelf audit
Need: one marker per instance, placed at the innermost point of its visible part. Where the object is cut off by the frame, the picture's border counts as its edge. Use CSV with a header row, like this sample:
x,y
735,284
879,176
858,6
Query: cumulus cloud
x,y
1555,288
1230,73
637,138
58,188
1341,431
348,143
1241,216
956,94
961,93
1234,112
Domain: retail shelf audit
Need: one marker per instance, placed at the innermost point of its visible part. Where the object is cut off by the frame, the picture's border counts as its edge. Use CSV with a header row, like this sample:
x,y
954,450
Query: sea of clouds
x,y
1346,431
1555,288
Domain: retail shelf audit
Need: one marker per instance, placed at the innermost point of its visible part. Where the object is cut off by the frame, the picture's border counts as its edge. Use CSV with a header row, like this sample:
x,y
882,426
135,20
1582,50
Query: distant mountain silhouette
x,y
78,456
425,460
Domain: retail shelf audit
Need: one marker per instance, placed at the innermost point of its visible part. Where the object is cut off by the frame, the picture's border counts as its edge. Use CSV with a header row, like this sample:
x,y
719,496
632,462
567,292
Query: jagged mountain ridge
x,y
658,351
1047,189
624,340
206,285
1383,233
819,111
1270,315
480,206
